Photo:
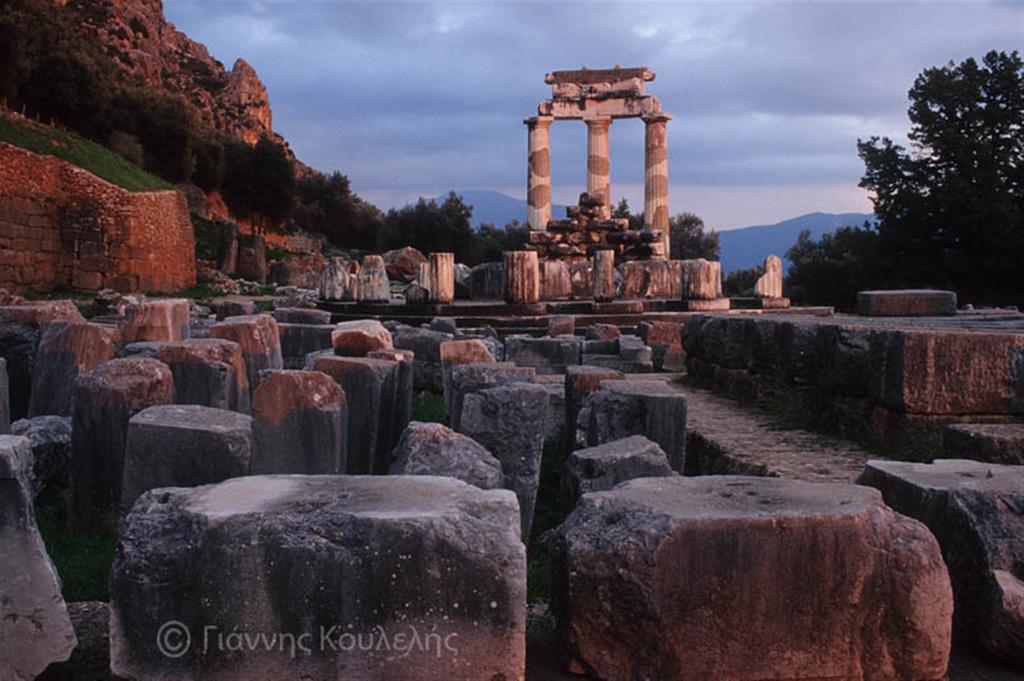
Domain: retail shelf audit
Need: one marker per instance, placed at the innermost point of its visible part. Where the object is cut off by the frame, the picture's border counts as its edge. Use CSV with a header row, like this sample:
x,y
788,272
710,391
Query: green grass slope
x,y
90,156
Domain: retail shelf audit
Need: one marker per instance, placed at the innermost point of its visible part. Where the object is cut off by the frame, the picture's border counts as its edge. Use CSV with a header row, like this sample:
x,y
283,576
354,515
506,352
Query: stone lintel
x,y
593,76
618,107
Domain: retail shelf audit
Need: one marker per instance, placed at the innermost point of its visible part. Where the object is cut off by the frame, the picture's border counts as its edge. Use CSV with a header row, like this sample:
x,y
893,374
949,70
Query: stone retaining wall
x,y
63,226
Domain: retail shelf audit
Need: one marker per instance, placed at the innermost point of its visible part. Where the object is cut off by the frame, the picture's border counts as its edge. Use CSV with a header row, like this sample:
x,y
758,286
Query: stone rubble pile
x,y
586,229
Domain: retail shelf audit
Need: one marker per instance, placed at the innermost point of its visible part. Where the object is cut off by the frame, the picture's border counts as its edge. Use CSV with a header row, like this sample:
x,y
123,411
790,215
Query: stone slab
x,y
906,303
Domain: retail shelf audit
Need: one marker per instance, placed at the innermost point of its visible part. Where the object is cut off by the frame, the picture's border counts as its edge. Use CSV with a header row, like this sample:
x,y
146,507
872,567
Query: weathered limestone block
x,y
155,320
555,282
510,422
437,555
976,511
487,281
373,286
665,341
210,372
370,393
462,284
991,442
522,277
20,330
356,338
456,352
650,408
426,346
651,279
299,340
604,276
441,278
5,399
435,449
235,308
402,264
600,468
179,445
602,332
105,399
301,315
581,382
50,440
34,625
561,325
702,279
259,340
66,350
546,355
252,260
90,660
444,325
769,284
906,303
869,585
556,411
581,276
299,424
633,349
339,280
400,387
468,378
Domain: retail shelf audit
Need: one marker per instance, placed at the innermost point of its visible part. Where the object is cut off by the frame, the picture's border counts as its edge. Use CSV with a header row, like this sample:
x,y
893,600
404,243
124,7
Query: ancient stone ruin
x,y
597,97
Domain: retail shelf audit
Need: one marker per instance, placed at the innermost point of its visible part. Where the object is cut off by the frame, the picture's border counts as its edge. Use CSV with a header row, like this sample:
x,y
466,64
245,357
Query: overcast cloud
x,y
769,98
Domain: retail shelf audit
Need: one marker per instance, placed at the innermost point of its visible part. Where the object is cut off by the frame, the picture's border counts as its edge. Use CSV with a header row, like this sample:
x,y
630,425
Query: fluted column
x,y
604,275
538,179
598,168
656,215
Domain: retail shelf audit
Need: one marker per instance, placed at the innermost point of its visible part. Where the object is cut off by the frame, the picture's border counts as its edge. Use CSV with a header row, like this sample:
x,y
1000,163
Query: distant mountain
x,y
748,246
496,208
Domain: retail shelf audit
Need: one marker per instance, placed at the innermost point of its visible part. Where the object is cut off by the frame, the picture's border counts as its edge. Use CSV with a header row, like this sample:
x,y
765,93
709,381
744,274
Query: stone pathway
x,y
725,438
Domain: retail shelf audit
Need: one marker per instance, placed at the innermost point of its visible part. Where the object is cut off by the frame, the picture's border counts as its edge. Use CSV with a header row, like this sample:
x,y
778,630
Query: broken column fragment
x,y
105,399
650,408
824,575
600,468
429,566
456,352
356,338
65,350
184,445
522,277
581,382
373,285
259,340
35,630
510,421
155,320
435,449
467,378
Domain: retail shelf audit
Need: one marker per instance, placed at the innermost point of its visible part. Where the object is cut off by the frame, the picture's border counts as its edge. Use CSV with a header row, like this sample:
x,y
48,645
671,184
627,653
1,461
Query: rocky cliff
x,y
151,51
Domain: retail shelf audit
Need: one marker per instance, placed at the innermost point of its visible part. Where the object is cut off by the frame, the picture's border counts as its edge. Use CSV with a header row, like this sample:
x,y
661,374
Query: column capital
x,y
539,121
660,117
598,122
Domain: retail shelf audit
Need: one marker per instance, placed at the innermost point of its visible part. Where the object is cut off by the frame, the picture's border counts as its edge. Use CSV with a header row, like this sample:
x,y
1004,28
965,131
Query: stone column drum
x,y
259,340
373,285
604,275
769,284
105,399
598,165
538,182
522,277
441,278
656,211
300,419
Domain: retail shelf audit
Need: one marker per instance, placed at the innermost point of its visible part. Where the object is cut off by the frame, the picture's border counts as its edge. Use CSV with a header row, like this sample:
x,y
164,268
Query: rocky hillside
x,y
153,52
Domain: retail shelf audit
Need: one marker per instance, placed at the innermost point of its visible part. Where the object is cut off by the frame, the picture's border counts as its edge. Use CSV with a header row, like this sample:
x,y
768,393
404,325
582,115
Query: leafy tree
x,y
622,211
210,163
259,182
742,282
326,204
951,209
432,228
688,240
832,270
492,242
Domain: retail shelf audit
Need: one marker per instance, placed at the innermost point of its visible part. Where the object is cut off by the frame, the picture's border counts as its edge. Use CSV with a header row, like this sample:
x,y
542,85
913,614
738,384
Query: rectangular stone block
x,y
546,355
906,303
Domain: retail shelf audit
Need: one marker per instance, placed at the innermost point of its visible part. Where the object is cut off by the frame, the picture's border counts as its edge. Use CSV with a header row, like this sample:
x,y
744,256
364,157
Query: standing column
x,y
656,177
538,178
598,169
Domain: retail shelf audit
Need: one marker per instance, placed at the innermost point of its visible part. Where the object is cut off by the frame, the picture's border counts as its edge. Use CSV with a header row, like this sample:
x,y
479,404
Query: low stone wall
x,y
63,226
896,382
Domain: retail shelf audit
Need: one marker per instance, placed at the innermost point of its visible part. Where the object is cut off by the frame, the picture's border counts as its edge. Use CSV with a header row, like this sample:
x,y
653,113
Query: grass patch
x,y
82,558
264,305
93,157
548,515
199,293
428,407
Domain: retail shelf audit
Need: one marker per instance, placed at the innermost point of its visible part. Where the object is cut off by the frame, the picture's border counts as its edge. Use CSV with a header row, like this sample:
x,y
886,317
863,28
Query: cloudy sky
x,y
769,98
